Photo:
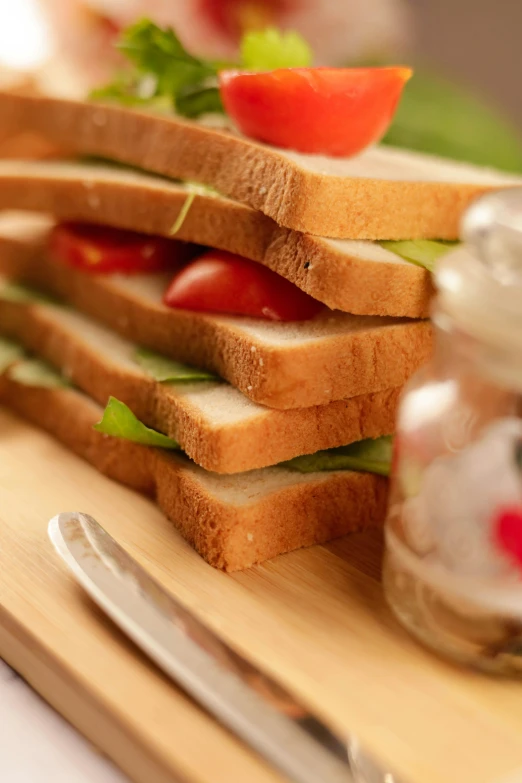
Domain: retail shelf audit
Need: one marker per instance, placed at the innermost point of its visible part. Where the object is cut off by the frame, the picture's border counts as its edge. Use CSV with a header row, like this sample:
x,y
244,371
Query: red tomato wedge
x,y
220,282
105,250
326,111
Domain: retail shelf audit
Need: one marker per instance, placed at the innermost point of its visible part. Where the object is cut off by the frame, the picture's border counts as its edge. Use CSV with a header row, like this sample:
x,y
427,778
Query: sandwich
x,y
24,144
217,321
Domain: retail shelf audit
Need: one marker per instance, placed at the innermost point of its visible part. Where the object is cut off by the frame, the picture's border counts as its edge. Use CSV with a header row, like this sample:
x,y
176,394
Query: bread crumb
x,y
262,191
261,362
253,349
250,536
249,388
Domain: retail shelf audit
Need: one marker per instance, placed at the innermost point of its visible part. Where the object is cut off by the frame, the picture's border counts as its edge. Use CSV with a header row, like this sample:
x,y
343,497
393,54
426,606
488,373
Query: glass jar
x,y
453,563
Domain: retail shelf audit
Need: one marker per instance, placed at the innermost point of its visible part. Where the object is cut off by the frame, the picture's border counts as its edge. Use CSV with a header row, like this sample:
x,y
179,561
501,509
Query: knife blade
x,y
257,709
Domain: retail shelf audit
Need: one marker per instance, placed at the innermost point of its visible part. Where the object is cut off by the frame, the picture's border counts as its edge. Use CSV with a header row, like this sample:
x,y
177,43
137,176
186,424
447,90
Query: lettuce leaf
x,y
422,252
33,372
194,189
163,369
266,50
368,456
120,422
27,371
185,209
16,292
9,353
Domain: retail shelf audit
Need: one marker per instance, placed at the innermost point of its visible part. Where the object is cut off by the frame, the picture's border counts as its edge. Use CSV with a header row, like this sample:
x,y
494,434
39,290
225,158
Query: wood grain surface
x,y
315,618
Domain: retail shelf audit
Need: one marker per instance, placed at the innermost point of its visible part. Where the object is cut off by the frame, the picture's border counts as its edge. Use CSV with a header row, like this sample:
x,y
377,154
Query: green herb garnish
x,y
368,456
166,370
162,71
162,75
120,422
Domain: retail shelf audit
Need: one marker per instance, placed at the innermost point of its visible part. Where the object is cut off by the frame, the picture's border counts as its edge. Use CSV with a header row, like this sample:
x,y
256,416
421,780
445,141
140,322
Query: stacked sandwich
x,y
234,347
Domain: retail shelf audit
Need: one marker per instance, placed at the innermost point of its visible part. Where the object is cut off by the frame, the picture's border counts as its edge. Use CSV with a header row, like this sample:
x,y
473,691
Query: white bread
x,y
281,365
217,426
24,144
233,521
381,194
356,277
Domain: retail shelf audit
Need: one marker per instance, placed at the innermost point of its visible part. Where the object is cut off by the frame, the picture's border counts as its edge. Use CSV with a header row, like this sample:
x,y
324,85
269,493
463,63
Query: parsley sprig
x,y
162,74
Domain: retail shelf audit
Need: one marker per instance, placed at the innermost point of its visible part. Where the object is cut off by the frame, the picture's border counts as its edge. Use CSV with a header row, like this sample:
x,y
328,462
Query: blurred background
x,y
475,41
464,101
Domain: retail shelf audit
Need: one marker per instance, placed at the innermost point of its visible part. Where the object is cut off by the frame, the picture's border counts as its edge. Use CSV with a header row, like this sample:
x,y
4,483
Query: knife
x,y
254,707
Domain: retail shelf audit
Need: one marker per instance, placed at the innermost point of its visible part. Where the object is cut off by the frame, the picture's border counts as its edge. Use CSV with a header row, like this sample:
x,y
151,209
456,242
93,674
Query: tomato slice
x,y
221,282
106,250
327,111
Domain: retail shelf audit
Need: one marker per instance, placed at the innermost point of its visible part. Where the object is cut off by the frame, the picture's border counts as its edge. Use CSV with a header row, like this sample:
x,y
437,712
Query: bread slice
x,y
24,144
281,365
381,194
234,521
217,426
356,277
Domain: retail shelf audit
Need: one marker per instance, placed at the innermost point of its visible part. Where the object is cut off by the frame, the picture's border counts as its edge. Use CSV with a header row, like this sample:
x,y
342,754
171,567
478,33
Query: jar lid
x,y
480,283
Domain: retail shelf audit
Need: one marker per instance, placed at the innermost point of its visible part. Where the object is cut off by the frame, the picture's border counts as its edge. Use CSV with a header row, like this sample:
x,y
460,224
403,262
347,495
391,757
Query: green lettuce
x,y
371,456
163,369
185,209
120,422
422,252
269,49
194,189
16,292
28,371
368,456
9,353
33,372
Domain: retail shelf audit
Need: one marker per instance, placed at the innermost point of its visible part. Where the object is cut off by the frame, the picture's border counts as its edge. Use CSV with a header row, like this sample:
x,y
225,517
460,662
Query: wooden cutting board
x,y
315,618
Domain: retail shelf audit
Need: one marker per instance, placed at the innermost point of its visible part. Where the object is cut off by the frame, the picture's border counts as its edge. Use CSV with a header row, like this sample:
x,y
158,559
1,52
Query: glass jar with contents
x,y
453,564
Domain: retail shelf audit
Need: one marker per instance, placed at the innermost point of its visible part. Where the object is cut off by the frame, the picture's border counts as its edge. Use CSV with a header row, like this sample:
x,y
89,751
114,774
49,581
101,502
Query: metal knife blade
x,y
257,709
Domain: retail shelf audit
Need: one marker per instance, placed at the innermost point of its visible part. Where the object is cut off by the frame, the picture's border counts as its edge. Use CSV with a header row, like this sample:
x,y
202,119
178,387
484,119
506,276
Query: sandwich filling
x,y
371,455
213,281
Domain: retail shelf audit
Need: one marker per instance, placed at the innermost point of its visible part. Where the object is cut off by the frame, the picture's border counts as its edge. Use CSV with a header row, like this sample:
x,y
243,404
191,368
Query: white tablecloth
x,y
38,746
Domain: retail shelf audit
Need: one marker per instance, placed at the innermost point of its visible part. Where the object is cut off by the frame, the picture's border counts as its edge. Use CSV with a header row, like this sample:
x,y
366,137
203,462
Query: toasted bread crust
x,y
342,280
230,534
365,360
267,437
356,207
